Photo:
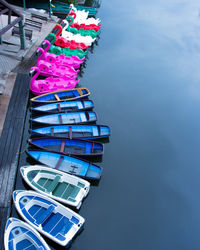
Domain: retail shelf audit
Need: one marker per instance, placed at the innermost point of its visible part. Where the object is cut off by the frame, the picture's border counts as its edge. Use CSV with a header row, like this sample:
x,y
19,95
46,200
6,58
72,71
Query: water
x,y
144,76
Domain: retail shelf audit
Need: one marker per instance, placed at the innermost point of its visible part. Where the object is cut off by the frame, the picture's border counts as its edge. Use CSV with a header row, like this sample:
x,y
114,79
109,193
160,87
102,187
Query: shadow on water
x,y
55,246
91,50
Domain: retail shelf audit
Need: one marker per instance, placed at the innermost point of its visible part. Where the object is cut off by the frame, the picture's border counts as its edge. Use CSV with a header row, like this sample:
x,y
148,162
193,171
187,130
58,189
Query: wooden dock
x,y
10,144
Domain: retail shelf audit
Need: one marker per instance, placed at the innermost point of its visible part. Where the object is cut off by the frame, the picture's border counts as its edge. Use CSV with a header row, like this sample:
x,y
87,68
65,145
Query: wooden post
x,y
24,4
22,34
50,9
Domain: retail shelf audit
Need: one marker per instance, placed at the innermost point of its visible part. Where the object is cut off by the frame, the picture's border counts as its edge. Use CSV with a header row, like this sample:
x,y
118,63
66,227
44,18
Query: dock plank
x,y
10,144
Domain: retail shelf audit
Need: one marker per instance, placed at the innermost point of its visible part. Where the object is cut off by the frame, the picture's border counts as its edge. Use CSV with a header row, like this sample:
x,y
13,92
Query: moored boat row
x,y
63,127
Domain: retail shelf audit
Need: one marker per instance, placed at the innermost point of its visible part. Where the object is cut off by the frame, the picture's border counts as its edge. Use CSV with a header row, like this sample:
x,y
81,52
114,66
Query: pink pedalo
x,y
62,60
39,87
51,69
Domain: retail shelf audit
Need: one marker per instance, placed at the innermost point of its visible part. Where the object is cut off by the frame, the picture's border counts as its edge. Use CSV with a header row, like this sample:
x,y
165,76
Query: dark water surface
x,y
144,76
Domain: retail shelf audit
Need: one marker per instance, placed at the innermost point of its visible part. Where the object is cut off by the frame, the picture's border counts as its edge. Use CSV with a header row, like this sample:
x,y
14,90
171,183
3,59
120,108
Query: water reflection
x,y
91,50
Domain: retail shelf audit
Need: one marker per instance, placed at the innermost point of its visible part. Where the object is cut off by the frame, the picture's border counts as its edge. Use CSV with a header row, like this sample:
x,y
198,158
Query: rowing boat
x,y
60,107
66,188
73,131
61,96
67,164
19,235
48,216
66,146
66,118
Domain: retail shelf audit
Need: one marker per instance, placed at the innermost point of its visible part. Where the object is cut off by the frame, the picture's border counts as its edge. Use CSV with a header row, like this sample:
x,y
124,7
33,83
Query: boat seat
x,y
80,91
60,237
74,220
54,183
71,192
60,119
81,185
62,148
59,108
62,227
71,199
70,132
99,130
24,237
87,115
57,97
59,162
45,215
92,150
52,131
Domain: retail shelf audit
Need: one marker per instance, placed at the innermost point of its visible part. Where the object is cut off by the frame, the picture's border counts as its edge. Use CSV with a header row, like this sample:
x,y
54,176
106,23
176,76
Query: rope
x,y
21,152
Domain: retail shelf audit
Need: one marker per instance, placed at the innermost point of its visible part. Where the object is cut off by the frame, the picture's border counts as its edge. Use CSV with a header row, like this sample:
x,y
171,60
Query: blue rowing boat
x,y
61,96
72,147
49,217
66,118
19,235
73,131
68,164
60,107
